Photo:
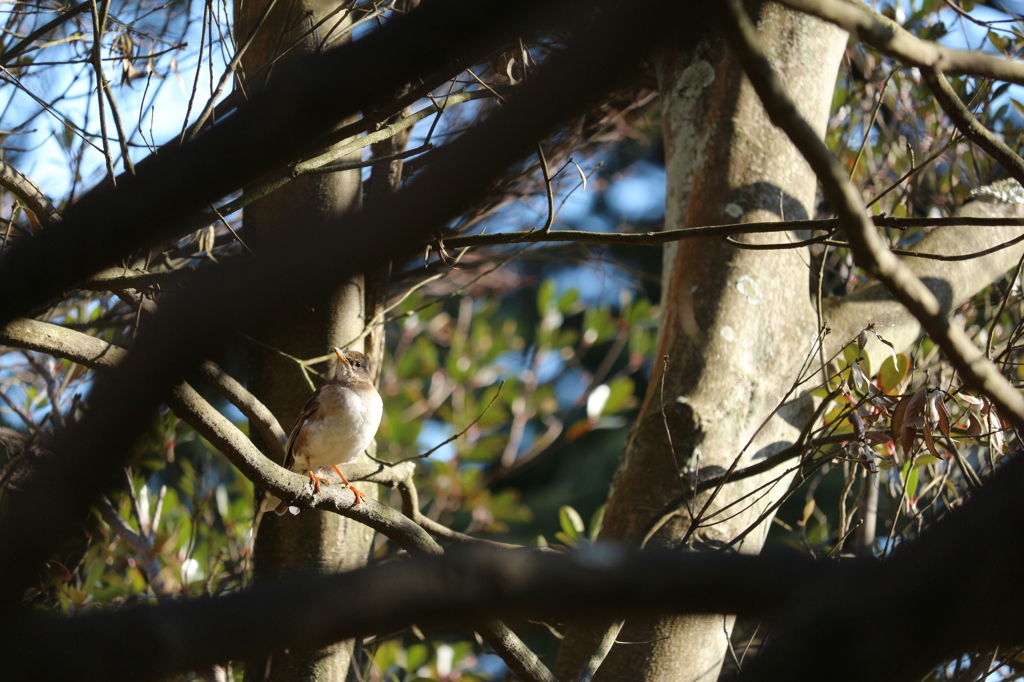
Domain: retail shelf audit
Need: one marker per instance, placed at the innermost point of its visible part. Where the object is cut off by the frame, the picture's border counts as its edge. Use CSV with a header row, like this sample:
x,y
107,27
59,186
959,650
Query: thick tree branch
x,y
22,45
834,625
869,250
255,411
214,302
289,119
31,197
952,283
320,163
890,38
94,353
209,373
286,485
229,440
456,590
970,126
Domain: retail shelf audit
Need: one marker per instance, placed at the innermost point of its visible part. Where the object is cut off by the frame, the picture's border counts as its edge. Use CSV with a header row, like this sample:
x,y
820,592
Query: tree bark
x,y
736,327
313,540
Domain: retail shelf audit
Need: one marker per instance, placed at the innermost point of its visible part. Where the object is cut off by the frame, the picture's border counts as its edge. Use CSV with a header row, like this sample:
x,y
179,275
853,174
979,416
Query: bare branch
x,y
601,652
970,126
868,248
286,485
888,37
463,587
31,197
141,544
67,15
288,119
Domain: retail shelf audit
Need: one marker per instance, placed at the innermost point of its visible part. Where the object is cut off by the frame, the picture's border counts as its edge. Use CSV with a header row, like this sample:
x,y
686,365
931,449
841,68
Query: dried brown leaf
x,y
930,442
907,437
59,571
943,419
973,425
914,416
898,417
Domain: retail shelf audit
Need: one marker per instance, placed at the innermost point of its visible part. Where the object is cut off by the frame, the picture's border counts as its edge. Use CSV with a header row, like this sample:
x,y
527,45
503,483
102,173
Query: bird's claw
x,y
355,491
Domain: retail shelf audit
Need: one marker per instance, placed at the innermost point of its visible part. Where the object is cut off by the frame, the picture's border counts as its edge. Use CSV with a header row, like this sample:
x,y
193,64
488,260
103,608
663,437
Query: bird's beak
x,y
341,355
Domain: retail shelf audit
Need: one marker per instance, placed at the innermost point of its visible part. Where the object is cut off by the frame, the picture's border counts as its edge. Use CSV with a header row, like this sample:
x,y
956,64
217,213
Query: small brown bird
x,y
337,424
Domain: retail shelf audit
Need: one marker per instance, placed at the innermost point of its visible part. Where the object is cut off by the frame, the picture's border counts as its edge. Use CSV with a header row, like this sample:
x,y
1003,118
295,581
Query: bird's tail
x,y
270,503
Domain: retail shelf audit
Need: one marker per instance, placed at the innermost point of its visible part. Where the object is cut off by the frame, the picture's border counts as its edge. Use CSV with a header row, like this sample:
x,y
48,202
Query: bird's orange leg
x,y
359,495
313,477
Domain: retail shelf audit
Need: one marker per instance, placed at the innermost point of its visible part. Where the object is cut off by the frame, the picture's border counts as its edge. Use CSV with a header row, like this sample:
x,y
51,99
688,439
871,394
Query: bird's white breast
x,y
350,427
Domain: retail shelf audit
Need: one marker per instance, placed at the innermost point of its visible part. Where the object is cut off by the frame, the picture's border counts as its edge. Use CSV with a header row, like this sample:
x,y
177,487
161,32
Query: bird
x,y
338,423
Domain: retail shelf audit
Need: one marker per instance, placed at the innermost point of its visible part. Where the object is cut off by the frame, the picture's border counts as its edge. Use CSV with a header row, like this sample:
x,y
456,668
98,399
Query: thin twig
x,y
869,249
98,20
888,37
229,72
21,46
970,126
1002,307
549,190
434,449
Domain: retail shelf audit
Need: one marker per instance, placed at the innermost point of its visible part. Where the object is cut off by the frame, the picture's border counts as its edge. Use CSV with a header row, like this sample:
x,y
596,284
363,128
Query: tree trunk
x,y
736,327
312,540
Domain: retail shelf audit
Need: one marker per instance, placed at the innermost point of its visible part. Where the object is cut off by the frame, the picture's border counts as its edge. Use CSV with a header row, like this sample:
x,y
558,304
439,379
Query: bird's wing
x,y
311,407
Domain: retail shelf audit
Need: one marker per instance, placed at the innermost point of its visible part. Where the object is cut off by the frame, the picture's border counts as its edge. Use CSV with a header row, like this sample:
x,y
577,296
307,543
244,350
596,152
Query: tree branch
x,y
216,301
890,38
255,466
288,119
951,283
970,126
140,544
91,352
31,197
67,15
833,623
870,252
464,587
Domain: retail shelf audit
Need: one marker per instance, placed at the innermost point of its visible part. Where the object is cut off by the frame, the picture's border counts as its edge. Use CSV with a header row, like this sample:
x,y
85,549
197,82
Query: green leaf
x,y
620,396
596,521
850,354
565,539
909,477
567,302
891,375
571,522
638,312
545,295
416,656
598,325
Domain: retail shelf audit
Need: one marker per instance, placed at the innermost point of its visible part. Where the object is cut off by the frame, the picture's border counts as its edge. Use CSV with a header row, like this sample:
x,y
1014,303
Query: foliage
x,y
539,376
